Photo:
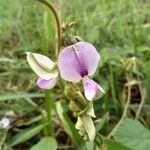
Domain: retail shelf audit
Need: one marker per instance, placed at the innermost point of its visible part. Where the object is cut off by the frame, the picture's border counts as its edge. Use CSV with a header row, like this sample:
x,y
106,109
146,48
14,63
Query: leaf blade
x,y
133,134
45,143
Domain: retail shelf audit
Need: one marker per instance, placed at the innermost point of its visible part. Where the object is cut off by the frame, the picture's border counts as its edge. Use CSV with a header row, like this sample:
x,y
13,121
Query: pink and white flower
x,y
79,62
44,68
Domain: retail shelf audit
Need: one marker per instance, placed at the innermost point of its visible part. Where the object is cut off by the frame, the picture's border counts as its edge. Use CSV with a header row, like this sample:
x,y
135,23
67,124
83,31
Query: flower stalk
x,y
49,107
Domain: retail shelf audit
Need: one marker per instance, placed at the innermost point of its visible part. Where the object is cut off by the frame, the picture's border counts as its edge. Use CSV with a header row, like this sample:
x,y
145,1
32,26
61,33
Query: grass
x,y
119,29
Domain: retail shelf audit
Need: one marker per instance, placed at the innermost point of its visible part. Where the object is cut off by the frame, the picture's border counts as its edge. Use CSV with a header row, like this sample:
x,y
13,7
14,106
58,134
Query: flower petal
x,y
68,65
78,124
91,89
41,65
91,112
77,61
46,84
85,122
88,56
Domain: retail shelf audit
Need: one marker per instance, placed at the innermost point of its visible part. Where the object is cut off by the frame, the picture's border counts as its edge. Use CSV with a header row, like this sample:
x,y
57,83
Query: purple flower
x,y
44,68
79,62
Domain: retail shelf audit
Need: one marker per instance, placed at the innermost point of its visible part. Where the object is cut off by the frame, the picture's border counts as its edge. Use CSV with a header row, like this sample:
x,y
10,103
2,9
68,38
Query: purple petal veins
x,y
89,57
77,62
82,66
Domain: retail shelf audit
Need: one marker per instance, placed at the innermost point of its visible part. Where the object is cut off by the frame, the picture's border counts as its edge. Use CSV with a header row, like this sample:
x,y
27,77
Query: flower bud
x,y
73,93
42,66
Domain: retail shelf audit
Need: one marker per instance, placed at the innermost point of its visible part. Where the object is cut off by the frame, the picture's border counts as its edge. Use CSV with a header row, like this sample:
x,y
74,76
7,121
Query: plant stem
x,y
98,140
48,102
49,107
3,138
58,26
143,96
141,105
123,115
112,85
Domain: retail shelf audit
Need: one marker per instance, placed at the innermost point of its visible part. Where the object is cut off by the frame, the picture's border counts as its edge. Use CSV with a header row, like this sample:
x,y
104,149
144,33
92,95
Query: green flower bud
x,y
73,93
82,109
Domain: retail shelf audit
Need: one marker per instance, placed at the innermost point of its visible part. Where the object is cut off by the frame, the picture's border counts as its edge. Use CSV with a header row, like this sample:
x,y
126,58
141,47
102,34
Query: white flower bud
x,y
4,122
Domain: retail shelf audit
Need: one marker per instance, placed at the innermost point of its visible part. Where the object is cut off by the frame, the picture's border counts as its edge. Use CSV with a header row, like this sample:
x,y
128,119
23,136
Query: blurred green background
x,y
119,29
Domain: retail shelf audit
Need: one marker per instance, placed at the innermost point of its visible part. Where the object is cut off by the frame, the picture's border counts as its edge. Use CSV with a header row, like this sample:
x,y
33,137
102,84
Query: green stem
x,y
98,140
48,102
45,129
3,138
112,85
58,26
49,107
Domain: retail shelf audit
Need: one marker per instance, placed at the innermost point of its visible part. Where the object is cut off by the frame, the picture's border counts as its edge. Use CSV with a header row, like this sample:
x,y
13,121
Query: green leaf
x,y
133,134
16,96
81,146
68,125
46,143
89,145
25,135
113,145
